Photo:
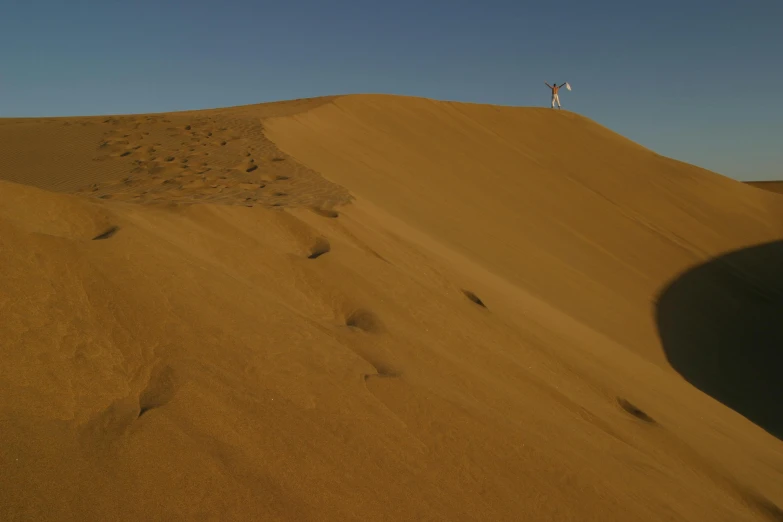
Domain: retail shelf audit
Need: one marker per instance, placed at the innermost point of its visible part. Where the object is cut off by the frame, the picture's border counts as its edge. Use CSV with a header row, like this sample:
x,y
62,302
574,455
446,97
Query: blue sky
x,y
694,80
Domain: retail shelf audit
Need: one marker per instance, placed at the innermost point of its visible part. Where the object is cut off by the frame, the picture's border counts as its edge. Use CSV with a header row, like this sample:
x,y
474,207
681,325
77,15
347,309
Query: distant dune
x,y
772,186
381,308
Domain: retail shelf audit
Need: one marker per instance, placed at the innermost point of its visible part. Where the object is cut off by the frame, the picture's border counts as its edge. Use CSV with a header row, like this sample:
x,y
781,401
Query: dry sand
x,y
382,308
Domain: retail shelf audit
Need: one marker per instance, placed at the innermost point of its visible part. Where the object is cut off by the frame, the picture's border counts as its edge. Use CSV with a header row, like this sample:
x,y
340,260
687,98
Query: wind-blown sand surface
x,y
381,308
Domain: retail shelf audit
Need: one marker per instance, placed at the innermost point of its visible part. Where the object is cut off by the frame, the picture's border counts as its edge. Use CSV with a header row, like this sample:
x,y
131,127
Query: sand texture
x,y
382,308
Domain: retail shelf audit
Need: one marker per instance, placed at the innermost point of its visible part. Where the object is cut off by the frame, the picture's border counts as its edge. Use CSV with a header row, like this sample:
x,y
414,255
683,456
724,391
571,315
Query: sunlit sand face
x,y
381,308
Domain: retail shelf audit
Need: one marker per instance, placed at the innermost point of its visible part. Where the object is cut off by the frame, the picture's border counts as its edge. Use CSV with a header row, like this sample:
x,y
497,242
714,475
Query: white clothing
x,y
555,98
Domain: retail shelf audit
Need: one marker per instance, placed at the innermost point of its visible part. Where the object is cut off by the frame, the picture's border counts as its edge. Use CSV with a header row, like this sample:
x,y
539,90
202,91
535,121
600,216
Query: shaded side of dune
x,y
722,329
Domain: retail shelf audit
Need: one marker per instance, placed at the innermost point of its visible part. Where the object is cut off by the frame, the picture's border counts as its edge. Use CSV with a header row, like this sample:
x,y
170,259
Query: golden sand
x,y
381,308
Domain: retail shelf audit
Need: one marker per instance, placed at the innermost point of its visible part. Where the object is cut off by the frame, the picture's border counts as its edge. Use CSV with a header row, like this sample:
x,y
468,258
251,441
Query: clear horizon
x,y
689,81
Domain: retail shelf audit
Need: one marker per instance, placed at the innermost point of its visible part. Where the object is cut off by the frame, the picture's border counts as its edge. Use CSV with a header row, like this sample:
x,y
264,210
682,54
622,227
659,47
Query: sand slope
x,y
473,337
551,202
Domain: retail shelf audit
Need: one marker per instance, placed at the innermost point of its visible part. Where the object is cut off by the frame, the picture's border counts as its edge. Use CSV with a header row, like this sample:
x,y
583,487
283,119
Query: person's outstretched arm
x,y
563,84
545,83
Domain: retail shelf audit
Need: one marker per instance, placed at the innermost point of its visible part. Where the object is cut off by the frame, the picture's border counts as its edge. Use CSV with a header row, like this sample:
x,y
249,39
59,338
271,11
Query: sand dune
x,y
720,327
378,308
772,186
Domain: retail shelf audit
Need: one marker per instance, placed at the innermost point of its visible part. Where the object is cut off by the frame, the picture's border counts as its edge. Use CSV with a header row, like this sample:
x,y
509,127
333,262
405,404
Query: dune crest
x,y
367,308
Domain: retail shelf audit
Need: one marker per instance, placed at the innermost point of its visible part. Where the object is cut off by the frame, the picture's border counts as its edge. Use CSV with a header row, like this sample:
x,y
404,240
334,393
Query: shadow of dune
x,y
721,325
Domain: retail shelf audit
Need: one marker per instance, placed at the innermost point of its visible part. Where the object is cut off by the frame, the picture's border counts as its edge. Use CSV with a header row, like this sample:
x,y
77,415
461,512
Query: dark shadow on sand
x,y
721,325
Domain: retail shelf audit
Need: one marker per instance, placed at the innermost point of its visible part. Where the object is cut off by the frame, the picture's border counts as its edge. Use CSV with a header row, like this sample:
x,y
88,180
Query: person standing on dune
x,y
555,96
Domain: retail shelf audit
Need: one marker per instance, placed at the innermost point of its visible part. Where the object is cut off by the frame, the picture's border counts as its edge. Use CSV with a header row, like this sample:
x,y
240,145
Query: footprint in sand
x,y
106,234
161,389
364,320
634,411
319,248
473,297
